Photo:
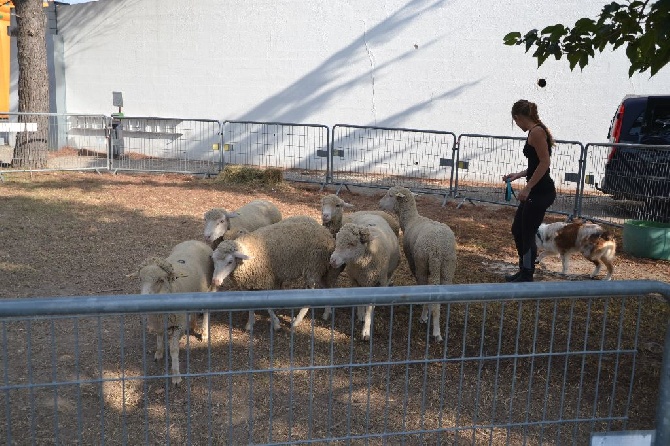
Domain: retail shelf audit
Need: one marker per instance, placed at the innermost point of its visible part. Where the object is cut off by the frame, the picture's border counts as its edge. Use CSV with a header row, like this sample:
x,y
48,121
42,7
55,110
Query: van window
x,y
660,122
635,127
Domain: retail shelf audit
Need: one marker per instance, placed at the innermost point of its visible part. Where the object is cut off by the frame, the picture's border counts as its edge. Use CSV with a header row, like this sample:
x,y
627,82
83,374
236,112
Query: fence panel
x,y
634,183
420,160
166,145
520,364
299,150
74,142
484,159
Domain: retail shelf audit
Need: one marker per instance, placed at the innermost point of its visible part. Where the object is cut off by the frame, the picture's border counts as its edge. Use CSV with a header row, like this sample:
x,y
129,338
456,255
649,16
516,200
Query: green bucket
x,y
648,239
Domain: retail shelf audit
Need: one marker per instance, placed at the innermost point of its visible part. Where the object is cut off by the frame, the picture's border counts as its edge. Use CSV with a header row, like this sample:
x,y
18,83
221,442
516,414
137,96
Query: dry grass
x,y
81,233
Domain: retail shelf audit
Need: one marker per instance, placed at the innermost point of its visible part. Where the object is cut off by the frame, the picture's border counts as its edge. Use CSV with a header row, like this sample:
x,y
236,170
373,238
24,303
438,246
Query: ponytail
x,y
528,109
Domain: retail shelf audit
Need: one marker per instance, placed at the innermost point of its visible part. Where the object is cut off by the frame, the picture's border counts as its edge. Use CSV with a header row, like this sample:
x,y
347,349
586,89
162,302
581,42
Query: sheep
x,y
430,247
333,217
188,268
371,253
221,224
297,247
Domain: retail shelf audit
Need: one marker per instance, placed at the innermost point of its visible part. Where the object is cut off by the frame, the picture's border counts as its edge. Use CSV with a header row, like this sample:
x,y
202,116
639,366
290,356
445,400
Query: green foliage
x,y
642,27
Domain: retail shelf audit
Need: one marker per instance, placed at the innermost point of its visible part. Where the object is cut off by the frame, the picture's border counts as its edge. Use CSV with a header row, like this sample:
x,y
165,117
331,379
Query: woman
x,y
539,192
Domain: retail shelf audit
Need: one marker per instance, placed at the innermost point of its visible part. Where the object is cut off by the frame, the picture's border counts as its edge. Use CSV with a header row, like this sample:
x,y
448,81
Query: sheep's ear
x,y
399,195
239,255
228,217
364,235
347,205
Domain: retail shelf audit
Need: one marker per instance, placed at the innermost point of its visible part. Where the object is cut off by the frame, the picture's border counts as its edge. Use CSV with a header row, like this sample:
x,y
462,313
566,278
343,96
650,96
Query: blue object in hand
x,y
508,190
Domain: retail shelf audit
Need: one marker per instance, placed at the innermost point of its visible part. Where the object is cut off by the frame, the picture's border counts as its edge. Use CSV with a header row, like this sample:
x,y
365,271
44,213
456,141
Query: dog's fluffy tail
x,y
606,235
602,235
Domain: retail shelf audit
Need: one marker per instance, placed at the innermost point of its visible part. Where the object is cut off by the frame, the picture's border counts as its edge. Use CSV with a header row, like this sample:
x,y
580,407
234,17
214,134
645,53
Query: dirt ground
x,y
80,234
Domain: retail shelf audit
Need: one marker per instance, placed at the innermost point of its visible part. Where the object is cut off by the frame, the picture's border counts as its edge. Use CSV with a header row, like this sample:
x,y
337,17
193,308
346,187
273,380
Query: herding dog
x,y
563,239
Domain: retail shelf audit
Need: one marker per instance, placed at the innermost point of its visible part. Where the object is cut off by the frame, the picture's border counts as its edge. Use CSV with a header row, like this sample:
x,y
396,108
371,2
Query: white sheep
x,y
371,253
333,216
188,268
430,247
297,247
221,224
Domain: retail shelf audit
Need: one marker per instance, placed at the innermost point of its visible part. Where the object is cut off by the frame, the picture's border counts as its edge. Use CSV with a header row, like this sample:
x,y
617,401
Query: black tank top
x,y
546,184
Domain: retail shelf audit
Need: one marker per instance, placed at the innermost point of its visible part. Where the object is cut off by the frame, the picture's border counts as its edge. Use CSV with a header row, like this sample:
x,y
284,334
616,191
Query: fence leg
x,y
663,408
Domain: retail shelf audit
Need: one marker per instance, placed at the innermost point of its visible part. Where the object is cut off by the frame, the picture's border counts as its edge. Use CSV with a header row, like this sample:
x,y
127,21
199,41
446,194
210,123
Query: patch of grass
x,y
233,174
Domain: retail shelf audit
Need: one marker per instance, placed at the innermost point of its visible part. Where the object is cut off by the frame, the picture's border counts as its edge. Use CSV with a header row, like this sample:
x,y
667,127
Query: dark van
x,y
641,173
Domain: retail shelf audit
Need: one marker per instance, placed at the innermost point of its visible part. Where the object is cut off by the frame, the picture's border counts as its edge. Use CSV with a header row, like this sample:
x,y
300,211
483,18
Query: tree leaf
x,y
573,58
513,38
643,27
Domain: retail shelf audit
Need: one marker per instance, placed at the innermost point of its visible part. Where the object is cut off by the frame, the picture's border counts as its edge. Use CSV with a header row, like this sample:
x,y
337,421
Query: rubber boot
x,y
525,275
513,277
527,266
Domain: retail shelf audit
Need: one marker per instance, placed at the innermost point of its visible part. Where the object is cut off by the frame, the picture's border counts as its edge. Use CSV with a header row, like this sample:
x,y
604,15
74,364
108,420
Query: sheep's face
x,y
389,202
350,244
216,225
155,280
226,258
332,208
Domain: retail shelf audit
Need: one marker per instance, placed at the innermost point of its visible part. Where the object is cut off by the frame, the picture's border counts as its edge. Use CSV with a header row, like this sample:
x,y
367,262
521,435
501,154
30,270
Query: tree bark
x,y
33,87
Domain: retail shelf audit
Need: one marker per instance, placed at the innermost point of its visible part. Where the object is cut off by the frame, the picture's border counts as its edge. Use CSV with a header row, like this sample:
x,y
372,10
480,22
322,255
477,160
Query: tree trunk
x,y
33,87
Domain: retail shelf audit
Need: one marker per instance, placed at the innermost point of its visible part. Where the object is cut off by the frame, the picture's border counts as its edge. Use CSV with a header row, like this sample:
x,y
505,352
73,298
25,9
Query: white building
x,y
425,64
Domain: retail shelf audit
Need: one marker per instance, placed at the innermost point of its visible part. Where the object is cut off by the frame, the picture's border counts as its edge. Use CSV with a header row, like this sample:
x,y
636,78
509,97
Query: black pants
x,y
529,215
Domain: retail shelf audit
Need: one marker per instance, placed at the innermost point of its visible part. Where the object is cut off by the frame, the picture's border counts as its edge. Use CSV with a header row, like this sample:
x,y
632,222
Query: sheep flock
x,y
254,247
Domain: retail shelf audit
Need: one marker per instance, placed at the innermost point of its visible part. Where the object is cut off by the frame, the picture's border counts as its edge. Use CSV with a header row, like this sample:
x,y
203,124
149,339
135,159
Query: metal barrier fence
x,y
484,159
301,151
530,363
165,145
73,142
421,160
625,181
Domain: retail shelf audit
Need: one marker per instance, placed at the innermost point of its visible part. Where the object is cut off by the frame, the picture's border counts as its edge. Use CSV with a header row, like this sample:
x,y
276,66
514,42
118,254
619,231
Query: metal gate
x,y
532,363
421,160
299,150
484,159
73,142
166,145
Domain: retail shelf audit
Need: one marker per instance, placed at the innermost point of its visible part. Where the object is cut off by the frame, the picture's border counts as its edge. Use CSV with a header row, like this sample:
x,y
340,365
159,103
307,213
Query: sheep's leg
x,y
367,321
159,347
301,315
174,354
360,313
250,322
425,314
276,325
205,326
326,313
435,314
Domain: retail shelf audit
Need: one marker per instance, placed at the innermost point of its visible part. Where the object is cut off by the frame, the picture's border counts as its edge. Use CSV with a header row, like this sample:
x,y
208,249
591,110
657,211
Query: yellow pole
x,y
5,54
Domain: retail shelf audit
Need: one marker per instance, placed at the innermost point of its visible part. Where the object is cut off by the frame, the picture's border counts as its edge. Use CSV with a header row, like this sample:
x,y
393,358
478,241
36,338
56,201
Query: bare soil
x,y
80,234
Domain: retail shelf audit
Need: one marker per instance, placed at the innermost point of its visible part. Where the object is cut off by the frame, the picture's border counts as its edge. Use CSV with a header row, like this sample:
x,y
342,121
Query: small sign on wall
x,y
18,126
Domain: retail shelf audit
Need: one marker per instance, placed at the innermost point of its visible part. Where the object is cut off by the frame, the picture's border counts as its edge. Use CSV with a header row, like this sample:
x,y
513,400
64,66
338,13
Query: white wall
x,y
427,64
